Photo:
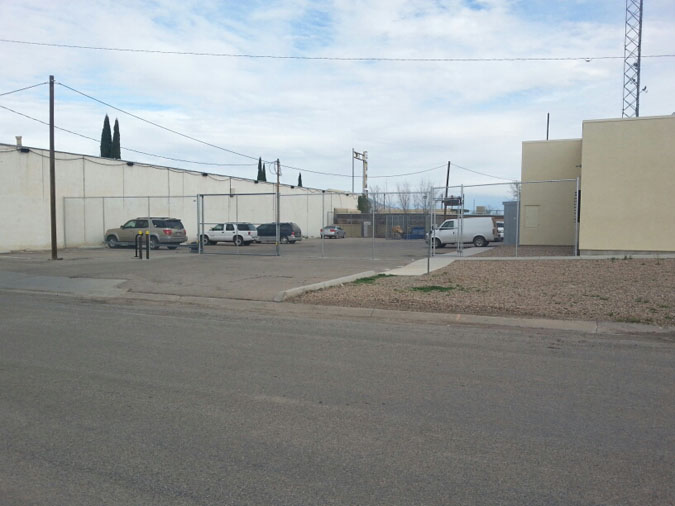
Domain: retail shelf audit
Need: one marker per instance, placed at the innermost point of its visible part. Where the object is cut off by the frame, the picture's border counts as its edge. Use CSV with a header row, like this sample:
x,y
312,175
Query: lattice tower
x,y
631,59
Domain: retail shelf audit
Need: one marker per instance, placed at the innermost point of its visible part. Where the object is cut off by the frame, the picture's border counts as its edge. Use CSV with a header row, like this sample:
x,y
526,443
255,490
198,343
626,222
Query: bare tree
x,y
514,190
378,197
403,190
421,196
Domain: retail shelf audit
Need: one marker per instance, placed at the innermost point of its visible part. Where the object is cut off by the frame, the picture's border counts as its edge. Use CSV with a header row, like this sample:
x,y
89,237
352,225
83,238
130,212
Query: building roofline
x,y
552,140
115,161
641,118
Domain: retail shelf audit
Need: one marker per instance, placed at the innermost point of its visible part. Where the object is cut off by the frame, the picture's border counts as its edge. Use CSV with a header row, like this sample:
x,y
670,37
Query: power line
x,y
408,173
157,124
22,89
193,138
482,173
299,169
214,164
330,58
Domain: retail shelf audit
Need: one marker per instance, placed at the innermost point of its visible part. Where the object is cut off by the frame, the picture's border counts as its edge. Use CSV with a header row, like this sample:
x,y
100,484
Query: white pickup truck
x,y
479,230
241,234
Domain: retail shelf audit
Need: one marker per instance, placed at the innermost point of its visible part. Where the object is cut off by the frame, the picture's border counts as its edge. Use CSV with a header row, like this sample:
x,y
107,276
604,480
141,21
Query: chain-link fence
x,y
515,219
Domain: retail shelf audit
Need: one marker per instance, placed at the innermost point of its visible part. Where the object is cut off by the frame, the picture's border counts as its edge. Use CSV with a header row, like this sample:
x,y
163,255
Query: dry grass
x,y
625,290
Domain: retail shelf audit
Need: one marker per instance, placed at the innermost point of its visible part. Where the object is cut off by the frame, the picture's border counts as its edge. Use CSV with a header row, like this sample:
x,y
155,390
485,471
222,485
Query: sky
x,y
410,116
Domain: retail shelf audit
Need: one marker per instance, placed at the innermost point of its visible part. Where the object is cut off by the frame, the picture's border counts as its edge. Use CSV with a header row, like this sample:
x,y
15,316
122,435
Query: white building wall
x,y
94,194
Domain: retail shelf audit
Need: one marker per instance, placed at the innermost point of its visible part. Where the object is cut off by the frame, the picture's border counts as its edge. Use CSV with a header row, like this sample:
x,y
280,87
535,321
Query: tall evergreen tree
x,y
259,176
363,204
116,148
106,139
264,174
299,180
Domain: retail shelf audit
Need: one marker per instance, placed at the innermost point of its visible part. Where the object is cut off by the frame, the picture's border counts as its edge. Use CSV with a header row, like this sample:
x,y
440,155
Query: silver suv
x,y
163,231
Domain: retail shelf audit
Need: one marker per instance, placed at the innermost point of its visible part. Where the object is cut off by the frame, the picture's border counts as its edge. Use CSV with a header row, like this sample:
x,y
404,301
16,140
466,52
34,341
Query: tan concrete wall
x,y
547,209
628,185
94,194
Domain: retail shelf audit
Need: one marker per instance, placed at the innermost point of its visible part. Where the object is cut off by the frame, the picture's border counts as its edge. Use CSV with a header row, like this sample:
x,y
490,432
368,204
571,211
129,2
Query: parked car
x,y
477,230
288,233
500,230
164,231
332,232
241,234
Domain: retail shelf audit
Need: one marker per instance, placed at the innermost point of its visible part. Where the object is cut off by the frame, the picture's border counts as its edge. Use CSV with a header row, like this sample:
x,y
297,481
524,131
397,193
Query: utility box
x,y
510,222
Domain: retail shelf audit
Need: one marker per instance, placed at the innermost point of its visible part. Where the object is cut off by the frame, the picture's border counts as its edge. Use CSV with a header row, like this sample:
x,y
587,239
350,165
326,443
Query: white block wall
x,y
94,194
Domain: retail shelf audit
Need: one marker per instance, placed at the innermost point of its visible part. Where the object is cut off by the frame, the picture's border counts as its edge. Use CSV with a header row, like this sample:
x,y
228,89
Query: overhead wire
x,y
333,58
215,164
22,89
157,124
482,173
299,169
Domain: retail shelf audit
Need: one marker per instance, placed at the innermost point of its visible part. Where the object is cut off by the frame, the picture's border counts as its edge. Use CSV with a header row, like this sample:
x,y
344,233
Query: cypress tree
x,y
116,148
259,176
264,174
299,180
106,139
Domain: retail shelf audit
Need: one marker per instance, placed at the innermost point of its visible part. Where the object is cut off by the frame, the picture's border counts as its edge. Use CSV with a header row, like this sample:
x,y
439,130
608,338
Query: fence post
x,y
373,255
577,214
518,219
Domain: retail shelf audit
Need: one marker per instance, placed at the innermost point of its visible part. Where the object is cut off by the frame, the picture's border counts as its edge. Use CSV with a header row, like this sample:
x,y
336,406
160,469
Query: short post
x,y
147,244
138,250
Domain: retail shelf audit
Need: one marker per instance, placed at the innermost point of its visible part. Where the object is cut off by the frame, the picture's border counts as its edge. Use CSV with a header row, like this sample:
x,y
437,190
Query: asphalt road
x,y
135,403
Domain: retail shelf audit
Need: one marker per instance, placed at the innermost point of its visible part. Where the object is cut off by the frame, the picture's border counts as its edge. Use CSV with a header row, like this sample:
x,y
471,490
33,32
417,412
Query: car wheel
x,y
238,240
172,247
479,241
112,241
154,243
284,240
438,243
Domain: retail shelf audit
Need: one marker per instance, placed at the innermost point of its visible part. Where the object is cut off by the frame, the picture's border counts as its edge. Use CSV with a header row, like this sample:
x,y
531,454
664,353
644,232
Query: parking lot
x,y
353,248
225,271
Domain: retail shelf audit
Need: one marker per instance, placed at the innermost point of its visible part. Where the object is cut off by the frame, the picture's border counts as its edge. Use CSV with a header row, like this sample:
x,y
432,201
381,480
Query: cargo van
x,y
479,230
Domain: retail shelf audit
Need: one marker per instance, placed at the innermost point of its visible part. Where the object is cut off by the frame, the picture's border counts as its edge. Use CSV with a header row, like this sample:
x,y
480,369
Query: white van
x,y
479,230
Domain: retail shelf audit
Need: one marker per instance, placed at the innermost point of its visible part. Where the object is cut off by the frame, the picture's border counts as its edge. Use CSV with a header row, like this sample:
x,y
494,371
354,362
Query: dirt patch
x,y
624,290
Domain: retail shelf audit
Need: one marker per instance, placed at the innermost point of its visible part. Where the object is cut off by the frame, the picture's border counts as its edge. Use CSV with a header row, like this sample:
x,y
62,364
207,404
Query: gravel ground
x,y
503,250
625,290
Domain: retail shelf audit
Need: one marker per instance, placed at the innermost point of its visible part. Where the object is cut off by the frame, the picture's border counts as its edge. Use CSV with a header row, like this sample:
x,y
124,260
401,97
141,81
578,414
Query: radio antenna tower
x,y
632,52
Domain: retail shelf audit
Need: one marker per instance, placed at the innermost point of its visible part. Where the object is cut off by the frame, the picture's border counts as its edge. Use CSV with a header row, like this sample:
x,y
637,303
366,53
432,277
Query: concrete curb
x,y
292,292
414,317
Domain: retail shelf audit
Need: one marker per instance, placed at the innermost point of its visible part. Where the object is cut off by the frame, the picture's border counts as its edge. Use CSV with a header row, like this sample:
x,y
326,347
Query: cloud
x,y
408,115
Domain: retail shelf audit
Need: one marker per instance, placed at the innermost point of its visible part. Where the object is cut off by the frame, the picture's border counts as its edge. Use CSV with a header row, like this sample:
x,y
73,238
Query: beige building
x,y
626,171
94,194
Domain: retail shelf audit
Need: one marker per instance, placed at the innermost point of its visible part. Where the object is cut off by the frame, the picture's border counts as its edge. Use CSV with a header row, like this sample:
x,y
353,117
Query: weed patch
x,y
438,288
371,279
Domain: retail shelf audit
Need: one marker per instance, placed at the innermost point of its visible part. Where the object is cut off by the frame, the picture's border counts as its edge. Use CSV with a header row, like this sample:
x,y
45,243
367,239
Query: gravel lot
x,y
626,290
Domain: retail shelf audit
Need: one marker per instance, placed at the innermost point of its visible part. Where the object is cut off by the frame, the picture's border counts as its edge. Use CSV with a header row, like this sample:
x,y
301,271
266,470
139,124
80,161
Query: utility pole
x,y
364,158
353,170
445,201
278,238
52,169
